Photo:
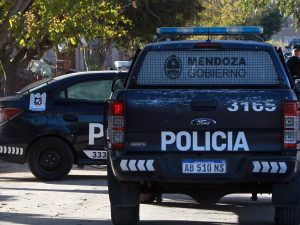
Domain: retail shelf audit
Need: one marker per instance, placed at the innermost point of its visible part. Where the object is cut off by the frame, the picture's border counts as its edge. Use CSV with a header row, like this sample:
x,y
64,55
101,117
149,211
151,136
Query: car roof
x,y
74,77
89,74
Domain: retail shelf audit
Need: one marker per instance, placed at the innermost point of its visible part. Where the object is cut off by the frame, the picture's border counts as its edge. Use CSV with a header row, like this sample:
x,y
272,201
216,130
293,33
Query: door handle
x,y
70,118
204,106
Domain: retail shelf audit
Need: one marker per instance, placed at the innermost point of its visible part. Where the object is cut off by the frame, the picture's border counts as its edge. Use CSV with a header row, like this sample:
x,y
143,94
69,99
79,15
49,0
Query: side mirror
x,y
297,86
117,84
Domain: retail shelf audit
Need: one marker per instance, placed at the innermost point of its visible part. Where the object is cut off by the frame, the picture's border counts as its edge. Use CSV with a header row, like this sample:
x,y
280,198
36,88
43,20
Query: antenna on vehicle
x,y
210,16
208,37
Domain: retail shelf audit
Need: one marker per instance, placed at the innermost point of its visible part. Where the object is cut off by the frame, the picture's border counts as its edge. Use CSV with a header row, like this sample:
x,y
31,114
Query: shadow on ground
x,y
248,212
85,179
12,167
68,180
58,190
6,198
39,219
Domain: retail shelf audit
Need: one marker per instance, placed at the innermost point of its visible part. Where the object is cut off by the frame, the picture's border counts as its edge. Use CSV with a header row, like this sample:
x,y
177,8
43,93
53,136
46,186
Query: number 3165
x,y
252,106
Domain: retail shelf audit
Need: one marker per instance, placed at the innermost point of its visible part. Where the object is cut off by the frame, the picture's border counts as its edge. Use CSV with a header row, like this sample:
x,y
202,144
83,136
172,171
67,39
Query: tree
x,y
237,13
270,19
286,7
147,15
11,58
150,14
222,13
29,27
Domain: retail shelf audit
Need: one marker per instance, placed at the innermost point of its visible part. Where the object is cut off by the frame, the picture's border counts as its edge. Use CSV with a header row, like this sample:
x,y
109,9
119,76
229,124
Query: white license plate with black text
x,y
217,166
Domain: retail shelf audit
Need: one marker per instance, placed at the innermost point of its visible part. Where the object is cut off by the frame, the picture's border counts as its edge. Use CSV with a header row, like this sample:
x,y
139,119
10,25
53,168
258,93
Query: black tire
x,y
121,213
50,158
287,215
147,198
125,215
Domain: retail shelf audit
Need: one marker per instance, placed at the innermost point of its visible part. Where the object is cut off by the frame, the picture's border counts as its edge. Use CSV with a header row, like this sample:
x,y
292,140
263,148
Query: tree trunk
x,y
103,53
11,71
100,50
13,67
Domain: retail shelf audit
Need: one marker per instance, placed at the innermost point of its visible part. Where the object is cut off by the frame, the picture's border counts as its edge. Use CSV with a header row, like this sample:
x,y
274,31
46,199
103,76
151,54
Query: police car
x,y
57,122
205,118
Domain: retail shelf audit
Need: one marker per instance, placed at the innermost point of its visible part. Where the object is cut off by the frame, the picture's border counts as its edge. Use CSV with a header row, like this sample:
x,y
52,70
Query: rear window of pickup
x,y
207,67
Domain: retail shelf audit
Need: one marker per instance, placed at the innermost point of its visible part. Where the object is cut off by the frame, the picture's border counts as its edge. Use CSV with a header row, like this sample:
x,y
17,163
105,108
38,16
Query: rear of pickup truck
x,y
205,119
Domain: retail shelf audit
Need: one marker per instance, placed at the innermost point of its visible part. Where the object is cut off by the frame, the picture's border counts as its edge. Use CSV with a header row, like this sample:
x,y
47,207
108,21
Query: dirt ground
x,y
82,199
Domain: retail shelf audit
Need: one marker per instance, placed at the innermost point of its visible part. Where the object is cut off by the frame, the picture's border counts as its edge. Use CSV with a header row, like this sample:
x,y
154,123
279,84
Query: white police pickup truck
x,y
204,118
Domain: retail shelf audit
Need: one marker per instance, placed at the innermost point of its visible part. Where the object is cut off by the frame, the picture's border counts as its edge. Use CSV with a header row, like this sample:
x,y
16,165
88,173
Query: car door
x,y
80,109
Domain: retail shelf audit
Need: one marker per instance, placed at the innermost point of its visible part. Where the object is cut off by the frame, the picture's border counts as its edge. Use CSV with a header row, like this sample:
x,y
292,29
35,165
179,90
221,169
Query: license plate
x,y
218,166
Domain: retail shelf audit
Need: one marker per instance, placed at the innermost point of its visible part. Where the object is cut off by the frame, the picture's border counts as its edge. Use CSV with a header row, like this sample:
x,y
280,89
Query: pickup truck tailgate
x,y
203,120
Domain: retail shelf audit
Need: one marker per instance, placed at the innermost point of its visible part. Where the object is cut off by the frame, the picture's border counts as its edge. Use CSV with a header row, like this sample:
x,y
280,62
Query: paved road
x,y
82,199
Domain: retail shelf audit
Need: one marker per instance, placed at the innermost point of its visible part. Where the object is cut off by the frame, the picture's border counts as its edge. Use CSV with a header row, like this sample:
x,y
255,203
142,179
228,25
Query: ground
x,y
82,199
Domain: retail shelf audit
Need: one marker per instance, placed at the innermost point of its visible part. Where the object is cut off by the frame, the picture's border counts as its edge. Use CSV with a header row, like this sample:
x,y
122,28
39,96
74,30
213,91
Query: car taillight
x,y
290,124
8,113
115,130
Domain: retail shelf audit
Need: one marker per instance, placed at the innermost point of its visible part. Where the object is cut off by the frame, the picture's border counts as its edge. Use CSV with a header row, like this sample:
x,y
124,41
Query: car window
x,y
91,91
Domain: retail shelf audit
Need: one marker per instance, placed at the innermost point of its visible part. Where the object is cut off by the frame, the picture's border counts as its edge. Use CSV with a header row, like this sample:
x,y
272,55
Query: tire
x,y
122,213
287,215
125,215
147,198
50,158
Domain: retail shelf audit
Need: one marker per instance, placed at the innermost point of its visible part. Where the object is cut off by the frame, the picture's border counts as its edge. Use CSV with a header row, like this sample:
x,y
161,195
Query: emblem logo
x,y
203,122
173,67
38,100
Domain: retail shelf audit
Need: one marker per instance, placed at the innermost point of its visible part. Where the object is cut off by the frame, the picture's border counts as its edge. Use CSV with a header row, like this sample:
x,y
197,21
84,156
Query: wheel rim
x,y
50,159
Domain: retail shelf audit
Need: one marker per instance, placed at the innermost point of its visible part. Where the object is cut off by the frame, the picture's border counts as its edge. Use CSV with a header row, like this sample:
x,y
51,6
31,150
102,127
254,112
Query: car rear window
x,y
88,91
207,67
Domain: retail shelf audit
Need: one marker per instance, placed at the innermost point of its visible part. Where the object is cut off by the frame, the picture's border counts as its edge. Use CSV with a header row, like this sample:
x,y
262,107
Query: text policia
x,y
209,141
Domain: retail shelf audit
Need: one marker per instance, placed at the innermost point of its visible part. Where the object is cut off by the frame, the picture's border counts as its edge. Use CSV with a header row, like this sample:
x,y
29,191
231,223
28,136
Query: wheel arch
x,y
65,139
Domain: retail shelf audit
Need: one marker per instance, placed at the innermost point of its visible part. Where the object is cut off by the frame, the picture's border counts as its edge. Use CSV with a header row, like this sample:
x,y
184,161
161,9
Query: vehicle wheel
x,y
50,158
125,215
124,200
147,198
287,215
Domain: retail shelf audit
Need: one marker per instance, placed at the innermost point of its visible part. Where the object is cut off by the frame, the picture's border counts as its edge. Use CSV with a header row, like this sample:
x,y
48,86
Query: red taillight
x,y
117,109
290,124
115,130
8,113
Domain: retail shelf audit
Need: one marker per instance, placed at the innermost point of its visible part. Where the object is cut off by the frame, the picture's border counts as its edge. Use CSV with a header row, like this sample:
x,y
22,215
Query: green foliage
x,y
56,21
278,44
151,14
222,13
286,7
4,9
270,19
242,12
290,8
